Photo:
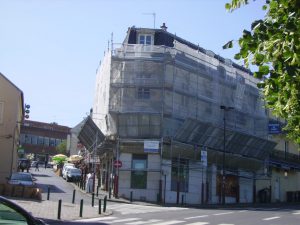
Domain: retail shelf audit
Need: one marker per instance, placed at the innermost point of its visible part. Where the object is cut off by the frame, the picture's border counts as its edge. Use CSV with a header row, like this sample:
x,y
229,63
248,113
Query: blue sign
x,y
274,128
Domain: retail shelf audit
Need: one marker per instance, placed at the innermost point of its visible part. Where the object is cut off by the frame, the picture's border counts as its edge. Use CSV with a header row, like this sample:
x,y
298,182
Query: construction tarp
x,y
90,135
205,134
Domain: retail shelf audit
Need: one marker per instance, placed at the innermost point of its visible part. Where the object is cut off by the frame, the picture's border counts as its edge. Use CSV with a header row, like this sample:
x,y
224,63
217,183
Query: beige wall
x,y
11,103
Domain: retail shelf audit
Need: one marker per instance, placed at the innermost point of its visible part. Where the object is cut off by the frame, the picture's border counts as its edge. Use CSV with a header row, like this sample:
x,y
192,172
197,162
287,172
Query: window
x,y
145,39
143,93
57,142
180,175
52,142
139,173
40,140
27,139
34,140
46,141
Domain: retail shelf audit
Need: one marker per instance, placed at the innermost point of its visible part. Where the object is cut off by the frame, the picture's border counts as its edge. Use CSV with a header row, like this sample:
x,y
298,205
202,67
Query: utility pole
x,y
224,108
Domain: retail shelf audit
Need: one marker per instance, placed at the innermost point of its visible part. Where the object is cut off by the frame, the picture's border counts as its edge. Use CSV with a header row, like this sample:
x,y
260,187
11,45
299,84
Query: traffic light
x,y
27,111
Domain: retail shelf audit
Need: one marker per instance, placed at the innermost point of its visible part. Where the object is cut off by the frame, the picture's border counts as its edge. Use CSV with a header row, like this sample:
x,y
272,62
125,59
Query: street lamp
x,y
224,108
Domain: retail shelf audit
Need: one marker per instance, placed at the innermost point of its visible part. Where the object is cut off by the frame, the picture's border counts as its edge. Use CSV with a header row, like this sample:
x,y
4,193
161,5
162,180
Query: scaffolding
x,y
179,83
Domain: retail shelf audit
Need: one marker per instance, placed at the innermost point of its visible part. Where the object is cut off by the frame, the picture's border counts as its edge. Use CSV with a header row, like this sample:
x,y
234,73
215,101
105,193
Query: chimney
x,y
164,27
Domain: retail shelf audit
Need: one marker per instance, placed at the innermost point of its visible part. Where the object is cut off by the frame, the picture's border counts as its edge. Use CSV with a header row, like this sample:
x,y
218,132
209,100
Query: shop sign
x,y
151,146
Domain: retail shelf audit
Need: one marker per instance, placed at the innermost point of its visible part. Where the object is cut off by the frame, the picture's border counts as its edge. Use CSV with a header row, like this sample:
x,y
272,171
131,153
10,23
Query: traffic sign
x,y
117,163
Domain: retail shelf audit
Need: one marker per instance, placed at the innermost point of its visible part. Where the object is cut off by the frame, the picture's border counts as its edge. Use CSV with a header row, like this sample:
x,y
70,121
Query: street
x,y
168,216
136,214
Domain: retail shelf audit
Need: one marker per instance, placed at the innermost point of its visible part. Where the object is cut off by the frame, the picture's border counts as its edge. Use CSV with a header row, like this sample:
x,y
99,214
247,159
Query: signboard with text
x,y
274,128
204,158
151,146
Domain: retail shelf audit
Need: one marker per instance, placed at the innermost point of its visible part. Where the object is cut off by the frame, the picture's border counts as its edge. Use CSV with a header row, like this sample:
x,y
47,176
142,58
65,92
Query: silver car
x,y
22,178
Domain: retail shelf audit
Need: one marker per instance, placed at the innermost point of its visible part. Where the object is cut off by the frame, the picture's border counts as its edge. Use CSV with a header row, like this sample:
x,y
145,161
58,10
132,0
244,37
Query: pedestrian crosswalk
x,y
137,221
126,209
129,214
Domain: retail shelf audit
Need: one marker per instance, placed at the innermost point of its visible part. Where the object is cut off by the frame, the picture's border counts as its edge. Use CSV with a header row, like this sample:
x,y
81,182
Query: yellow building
x,y
11,115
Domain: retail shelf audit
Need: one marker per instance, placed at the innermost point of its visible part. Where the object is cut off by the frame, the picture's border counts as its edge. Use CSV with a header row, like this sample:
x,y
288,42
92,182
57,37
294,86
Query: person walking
x,y
37,166
46,163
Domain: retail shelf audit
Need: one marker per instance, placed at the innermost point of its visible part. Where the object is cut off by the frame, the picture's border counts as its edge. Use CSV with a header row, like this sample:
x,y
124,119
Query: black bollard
x,y
99,206
59,209
73,199
93,198
104,204
109,193
97,191
131,196
81,208
48,194
182,197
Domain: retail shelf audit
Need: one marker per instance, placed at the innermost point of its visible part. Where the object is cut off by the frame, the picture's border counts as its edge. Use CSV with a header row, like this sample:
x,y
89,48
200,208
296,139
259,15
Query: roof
x,y
163,37
46,126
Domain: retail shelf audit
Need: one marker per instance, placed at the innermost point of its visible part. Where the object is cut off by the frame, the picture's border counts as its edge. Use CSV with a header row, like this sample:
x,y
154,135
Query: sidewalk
x,y
49,209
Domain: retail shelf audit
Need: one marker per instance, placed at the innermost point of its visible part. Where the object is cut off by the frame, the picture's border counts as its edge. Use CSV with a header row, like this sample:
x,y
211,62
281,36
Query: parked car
x,y
67,165
21,178
73,174
11,213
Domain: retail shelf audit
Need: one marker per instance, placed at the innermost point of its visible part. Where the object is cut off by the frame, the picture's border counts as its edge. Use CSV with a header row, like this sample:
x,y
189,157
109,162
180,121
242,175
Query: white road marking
x,y
225,213
271,218
297,213
143,222
125,220
98,219
242,211
169,222
194,217
225,224
198,223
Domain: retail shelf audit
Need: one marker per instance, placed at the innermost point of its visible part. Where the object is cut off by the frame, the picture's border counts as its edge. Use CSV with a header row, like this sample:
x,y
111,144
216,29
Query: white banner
x,y
151,146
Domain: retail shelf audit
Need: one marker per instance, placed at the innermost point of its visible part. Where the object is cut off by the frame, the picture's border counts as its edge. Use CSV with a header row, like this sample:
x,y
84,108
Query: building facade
x,y
41,139
182,124
11,116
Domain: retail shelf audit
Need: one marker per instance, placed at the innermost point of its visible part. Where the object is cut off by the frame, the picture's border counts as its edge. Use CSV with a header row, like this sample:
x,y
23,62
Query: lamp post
x,y
224,108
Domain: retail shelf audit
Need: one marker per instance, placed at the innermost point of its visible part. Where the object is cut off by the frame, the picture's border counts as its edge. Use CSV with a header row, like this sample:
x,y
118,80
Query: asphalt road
x,y
136,214
59,188
175,215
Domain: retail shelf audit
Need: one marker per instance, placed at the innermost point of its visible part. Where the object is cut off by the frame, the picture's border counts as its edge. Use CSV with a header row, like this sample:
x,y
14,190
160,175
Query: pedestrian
x,y
89,183
46,163
37,166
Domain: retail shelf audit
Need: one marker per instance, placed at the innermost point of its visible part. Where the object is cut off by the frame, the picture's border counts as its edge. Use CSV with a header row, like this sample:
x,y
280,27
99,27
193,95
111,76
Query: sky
x,y
51,49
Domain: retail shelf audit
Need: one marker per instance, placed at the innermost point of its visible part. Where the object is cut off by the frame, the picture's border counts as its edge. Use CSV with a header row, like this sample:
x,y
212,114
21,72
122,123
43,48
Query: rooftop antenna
x,y
154,17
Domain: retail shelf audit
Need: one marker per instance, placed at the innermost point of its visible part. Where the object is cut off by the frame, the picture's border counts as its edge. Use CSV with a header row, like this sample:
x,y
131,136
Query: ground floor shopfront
x,y
176,174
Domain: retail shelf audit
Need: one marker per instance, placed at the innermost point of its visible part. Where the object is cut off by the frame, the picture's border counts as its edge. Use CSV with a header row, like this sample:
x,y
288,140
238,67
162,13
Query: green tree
x,y
62,147
272,45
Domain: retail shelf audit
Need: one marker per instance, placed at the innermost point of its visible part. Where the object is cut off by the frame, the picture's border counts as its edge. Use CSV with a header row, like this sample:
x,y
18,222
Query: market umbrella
x,y
60,156
75,158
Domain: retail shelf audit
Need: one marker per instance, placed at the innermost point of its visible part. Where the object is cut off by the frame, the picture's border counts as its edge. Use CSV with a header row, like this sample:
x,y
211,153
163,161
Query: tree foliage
x,y
62,147
272,45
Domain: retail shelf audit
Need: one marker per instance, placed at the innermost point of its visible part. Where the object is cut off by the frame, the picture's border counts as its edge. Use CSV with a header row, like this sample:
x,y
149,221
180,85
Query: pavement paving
x,y
60,189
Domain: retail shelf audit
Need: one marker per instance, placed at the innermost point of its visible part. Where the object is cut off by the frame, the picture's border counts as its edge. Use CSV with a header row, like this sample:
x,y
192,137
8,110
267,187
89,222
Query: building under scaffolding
x,y
158,102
